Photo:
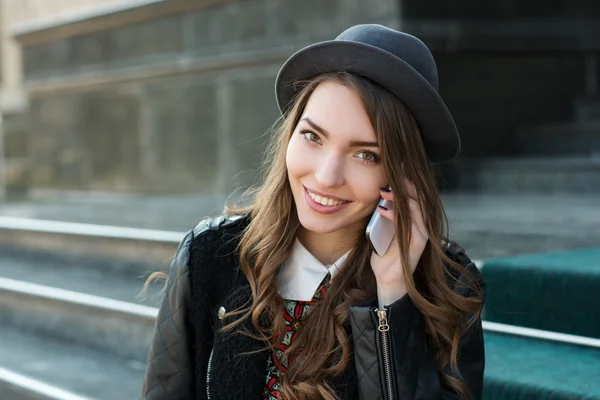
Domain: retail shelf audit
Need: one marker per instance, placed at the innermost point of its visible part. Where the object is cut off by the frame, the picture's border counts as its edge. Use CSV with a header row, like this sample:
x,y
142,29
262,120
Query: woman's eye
x,y
310,136
313,137
369,157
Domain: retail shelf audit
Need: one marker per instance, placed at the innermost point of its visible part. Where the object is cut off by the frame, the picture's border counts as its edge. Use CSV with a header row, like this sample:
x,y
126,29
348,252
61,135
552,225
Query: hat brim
x,y
438,130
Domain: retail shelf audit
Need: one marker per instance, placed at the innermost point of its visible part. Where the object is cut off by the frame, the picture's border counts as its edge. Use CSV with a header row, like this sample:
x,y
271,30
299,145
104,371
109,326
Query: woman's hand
x,y
388,268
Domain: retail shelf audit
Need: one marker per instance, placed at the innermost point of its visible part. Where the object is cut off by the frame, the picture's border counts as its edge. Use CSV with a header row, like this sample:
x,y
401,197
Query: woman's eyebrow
x,y
359,143
353,143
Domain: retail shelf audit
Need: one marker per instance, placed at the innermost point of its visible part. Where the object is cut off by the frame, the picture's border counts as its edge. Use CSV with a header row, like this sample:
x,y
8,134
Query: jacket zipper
x,y
385,351
208,375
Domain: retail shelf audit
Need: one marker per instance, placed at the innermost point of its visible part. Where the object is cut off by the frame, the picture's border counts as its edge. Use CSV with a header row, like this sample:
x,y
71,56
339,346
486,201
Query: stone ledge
x,y
102,17
12,100
182,65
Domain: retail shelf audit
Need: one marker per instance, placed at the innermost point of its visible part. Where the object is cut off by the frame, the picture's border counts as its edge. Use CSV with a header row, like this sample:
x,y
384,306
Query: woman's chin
x,y
319,225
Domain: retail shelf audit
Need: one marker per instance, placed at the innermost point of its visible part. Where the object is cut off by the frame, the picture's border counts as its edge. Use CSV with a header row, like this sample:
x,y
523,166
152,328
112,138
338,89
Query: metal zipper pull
x,y
383,323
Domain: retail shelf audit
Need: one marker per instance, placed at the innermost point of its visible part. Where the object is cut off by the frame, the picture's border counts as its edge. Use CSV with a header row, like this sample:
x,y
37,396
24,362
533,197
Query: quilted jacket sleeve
x,y
169,370
410,371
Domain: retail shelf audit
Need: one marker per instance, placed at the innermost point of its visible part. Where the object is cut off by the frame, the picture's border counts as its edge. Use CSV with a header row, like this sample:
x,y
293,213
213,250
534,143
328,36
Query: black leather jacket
x,y
189,358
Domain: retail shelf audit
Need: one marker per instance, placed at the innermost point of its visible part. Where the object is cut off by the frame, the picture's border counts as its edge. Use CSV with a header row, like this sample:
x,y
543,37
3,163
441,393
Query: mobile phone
x,y
380,230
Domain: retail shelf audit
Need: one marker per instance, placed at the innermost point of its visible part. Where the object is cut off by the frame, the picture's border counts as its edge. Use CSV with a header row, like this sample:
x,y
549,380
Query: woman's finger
x,y
386,195
387,213
410,190
415,210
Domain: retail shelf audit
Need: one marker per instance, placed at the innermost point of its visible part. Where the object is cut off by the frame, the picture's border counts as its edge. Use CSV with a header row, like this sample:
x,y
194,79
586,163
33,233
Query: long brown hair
x,y
324,351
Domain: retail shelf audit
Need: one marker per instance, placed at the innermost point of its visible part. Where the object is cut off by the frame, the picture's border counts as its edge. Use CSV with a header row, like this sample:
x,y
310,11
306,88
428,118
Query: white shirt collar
x,y
301,273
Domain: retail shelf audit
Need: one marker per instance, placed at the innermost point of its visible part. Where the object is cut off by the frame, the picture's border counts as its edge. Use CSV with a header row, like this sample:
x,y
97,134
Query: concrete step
x,y
560,139
42,367
549,175
507,223
78,276
486,244
107,248
15,386
502,225
171,213
113,326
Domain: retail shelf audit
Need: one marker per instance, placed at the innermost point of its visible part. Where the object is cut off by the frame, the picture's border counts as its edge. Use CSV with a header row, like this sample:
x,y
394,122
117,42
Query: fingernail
x,y
382,207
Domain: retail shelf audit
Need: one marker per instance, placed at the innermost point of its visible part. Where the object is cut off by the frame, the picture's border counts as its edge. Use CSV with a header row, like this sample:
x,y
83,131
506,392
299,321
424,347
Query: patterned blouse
x,y
294,312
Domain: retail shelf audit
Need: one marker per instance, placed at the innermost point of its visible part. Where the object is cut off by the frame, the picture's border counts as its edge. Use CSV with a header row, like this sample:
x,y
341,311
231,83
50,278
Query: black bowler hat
x,y
395,60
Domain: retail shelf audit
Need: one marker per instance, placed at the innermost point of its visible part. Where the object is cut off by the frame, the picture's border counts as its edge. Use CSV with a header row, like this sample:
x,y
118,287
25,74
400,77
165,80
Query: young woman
x,y
284,298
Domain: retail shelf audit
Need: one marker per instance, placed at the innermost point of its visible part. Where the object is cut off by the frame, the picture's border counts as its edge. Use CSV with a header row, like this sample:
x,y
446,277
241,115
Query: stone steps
x,y
75,331
70,321
76,328
543,175
119,327
15,386
558,139
73,371
78,277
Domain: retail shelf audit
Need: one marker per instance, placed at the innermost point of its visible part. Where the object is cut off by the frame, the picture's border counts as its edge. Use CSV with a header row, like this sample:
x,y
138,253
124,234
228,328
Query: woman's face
x,y
333,162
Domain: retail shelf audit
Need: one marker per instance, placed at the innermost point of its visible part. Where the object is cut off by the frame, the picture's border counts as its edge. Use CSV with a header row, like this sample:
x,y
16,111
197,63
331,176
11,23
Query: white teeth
x,y
324,200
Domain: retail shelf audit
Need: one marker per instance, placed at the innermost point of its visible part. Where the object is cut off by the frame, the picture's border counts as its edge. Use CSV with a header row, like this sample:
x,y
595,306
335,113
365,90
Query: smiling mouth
x,y
324,201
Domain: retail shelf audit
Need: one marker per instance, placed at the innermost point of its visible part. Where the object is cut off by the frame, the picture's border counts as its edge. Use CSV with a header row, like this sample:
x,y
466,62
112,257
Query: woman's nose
x,y
329,172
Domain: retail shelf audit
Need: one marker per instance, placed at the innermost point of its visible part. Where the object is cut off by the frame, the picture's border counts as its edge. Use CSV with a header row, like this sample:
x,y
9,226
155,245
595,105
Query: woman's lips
x,y
320,208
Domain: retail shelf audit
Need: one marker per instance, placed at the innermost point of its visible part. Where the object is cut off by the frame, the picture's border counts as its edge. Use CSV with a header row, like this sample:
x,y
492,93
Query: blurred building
x,y
176,95
521,79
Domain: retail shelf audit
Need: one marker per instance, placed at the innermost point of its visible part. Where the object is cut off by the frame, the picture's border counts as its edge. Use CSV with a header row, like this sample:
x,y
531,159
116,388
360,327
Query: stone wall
x,y
179,103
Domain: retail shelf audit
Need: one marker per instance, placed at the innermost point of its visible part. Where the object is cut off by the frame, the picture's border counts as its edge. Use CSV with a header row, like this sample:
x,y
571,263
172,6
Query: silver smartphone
x,y
380,230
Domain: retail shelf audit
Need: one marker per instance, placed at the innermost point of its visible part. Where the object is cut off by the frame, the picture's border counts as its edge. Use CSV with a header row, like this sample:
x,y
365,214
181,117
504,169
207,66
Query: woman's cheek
x,y
297,157
367,180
